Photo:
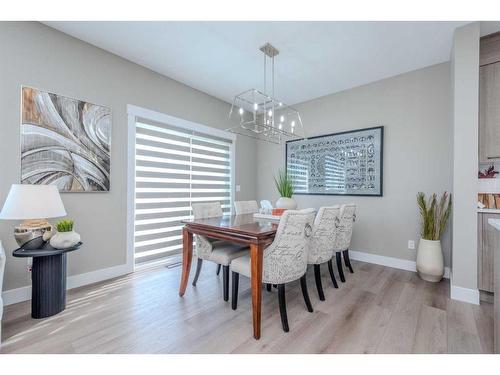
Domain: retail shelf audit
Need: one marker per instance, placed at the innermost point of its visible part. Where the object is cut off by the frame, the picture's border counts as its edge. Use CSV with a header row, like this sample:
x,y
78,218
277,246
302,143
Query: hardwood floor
x,y
378,310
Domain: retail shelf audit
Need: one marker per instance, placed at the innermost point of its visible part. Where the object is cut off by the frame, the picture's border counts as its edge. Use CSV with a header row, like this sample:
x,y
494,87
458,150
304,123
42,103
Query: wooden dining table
x,y
240,229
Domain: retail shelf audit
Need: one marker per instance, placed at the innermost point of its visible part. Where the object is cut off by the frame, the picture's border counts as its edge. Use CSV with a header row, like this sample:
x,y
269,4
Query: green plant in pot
x,y
284,186
65,237
434,216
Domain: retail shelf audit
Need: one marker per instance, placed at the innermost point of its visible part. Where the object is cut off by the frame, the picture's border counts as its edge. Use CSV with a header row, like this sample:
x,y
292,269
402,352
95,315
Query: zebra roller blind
x,y
174,168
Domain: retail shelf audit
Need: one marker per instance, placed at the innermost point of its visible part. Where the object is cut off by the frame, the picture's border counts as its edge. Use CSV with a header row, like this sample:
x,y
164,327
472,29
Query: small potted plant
x,y
434,215
65,237
285,189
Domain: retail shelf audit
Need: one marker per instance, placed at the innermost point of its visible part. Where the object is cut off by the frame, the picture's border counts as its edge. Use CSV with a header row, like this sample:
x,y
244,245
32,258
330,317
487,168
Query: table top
x,y
44,251
239,224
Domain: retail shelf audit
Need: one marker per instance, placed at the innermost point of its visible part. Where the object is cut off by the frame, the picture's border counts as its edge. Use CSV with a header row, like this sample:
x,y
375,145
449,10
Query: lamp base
x,y
29,230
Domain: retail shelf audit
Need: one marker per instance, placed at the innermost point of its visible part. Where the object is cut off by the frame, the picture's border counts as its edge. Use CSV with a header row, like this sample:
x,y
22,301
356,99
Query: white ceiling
x,y
316,58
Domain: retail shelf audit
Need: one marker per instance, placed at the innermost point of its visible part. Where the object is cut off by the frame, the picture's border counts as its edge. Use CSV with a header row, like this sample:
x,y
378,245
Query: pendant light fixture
x,y
260,115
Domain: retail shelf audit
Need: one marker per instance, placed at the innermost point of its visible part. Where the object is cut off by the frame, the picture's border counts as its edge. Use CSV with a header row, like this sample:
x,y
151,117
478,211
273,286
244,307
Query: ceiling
x,y
316,58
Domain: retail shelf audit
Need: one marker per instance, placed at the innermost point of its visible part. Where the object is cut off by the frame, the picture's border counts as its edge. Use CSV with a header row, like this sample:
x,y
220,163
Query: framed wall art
x,y
347,163
64,142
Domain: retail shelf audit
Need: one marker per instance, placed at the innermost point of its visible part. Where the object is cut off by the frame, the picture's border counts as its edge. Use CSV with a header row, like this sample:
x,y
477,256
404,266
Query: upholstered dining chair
x,y
2,269
285,260
320,247
245,207
343,236
219,252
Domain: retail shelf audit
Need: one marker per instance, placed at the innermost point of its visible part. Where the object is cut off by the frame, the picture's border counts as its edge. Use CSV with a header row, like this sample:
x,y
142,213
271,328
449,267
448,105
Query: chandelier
x,y
261,115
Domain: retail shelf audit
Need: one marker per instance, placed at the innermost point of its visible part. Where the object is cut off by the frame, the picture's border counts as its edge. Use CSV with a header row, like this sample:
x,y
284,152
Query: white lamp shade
x,y
32,202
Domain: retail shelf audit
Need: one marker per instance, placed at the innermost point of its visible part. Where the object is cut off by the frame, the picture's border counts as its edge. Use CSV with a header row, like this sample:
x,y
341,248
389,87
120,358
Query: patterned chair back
x,y
285,259
203,246
343,233
245,207
206,210
323,235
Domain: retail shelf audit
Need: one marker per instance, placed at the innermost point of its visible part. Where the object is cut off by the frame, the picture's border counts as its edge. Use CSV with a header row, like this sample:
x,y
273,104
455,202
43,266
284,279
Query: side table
x,y
48,279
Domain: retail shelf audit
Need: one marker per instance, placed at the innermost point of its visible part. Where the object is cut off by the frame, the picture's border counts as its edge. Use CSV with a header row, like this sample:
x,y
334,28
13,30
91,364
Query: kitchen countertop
x,y
488,211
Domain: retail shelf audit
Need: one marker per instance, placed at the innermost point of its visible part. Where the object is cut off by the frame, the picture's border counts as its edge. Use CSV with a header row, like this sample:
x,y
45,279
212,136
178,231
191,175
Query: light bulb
x,y
282,118
280,104
241,111
270,113
280,126
255,106
293,124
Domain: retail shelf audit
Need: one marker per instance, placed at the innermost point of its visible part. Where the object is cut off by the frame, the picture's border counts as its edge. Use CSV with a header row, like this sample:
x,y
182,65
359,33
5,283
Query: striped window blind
x,y
175,167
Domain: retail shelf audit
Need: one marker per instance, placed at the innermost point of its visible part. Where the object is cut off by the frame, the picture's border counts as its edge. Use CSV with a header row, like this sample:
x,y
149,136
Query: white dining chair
x,y
320,249
2,269
219,252
285,260
245,207
343,236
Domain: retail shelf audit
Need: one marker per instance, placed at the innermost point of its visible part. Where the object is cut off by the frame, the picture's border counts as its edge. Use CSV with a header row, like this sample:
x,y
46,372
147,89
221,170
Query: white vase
x,y
286,203
63,240
430,263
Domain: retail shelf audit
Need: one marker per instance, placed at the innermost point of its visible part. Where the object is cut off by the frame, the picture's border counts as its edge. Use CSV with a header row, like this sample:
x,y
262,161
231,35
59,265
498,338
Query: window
x,y
175,166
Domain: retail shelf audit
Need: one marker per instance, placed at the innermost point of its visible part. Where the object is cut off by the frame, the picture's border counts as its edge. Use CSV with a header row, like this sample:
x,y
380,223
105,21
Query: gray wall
x,y
415,109
465,81
36,55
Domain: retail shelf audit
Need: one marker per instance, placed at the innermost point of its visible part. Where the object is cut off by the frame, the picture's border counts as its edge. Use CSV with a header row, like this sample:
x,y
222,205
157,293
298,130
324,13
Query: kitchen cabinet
x,y
487,243
489,113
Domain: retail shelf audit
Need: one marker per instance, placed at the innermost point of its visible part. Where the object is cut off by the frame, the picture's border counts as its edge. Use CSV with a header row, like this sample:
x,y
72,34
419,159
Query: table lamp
x,y
34,204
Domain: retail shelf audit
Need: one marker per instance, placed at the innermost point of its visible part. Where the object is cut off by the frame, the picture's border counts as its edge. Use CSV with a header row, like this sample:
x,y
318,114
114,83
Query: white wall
x,y
415,109
36,55
465,81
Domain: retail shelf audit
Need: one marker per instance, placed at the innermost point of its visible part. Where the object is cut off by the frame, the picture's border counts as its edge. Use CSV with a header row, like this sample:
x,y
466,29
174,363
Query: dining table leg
x,y
187,256
256,255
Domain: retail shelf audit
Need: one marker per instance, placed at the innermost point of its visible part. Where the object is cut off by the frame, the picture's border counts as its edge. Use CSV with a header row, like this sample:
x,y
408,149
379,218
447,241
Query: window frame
x,y
134,112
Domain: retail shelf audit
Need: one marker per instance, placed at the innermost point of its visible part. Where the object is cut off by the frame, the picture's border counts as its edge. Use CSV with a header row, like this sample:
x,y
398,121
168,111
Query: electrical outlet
x,y
411,244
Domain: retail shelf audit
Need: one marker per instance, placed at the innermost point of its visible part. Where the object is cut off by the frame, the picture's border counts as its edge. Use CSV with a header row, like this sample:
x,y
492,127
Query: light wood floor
x,y
378,310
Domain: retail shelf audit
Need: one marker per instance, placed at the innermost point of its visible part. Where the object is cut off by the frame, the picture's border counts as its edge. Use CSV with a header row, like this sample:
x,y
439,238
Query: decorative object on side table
x,y
435,215
34,204
285,188
48,278
65,237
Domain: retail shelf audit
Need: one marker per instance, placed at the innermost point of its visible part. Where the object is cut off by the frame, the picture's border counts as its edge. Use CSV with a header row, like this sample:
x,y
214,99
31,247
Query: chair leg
x,y
225,282
338,257
198,270
234,286
332,276
218,269
347,260
305,294
282,303
268,287
317,276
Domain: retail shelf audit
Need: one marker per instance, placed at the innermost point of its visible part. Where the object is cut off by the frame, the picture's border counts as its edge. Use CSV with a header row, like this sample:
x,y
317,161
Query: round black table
x,y
48,279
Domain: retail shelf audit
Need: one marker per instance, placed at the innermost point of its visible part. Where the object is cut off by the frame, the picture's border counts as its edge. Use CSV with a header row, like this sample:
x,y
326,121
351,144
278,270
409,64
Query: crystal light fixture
x,y
261,115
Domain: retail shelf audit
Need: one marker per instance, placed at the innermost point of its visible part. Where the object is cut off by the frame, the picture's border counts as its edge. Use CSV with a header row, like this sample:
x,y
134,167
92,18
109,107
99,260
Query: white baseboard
x,y
24,293
464,294
402,264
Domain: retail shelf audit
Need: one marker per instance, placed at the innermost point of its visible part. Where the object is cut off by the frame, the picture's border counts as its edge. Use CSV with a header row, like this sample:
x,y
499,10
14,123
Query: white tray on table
x,y
267,217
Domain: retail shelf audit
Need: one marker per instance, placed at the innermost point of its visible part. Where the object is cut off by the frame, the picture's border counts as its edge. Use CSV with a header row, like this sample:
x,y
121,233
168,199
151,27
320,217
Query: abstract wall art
x,y
348,163
64,142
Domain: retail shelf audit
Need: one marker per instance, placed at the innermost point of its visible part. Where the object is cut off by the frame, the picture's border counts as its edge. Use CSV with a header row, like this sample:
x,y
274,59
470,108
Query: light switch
x,y
238,188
